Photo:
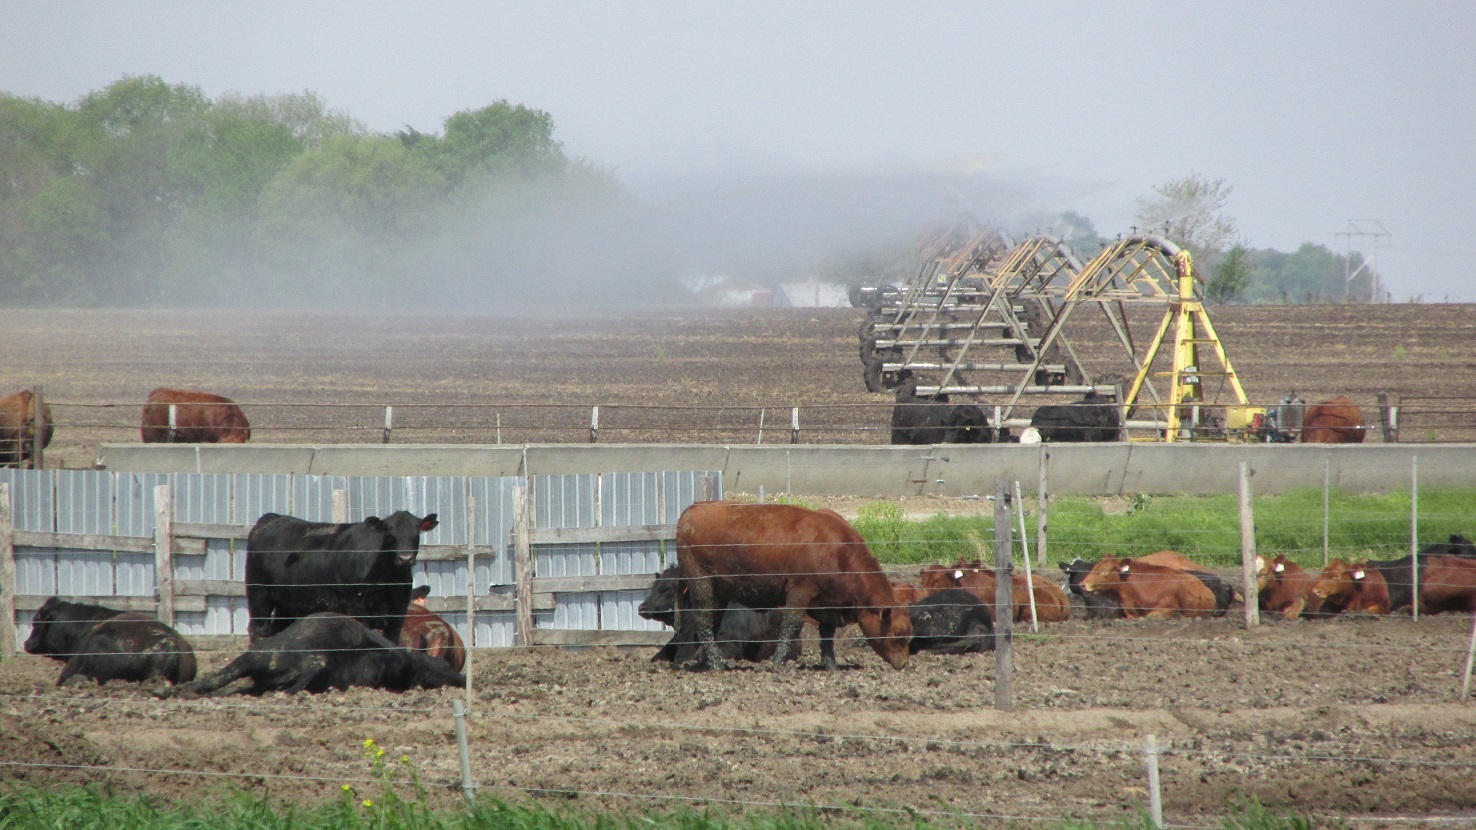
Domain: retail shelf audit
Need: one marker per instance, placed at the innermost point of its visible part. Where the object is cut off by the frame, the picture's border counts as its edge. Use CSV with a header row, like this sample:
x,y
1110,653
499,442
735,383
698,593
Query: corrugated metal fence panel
x,y
134,498
256,494
567,501
35,572
493,523
202,498
628,499
33,499
312,496
680,490
84,501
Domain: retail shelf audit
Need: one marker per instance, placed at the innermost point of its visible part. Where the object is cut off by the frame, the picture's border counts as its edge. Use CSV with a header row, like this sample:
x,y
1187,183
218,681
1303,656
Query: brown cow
x,y
199,418
1447,583
790,557
1334,421
1357,589
1051,603
18,428
427,632
906,593
1146,590
1285,588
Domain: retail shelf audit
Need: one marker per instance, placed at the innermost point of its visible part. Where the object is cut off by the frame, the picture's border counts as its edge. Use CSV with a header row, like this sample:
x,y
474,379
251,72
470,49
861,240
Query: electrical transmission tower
x,y
1373,230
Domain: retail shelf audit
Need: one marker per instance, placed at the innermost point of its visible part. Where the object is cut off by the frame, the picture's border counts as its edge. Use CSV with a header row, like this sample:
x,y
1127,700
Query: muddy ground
x,y
1340,718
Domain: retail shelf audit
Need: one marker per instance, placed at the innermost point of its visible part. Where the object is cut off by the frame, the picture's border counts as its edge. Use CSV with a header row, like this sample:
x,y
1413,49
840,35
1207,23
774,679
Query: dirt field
x,y
679,376
1342,718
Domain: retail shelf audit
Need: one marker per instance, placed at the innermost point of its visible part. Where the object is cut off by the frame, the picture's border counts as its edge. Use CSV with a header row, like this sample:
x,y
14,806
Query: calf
x,y
1051,603
1285,588
20,427
1098,606
1146,590
743,633
426,631
1357,589
951,621
790,557
328,651
1335,421
104,644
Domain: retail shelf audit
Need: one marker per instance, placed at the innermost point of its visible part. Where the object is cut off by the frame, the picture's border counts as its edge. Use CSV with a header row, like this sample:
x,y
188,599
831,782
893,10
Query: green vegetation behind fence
x,y
1207,528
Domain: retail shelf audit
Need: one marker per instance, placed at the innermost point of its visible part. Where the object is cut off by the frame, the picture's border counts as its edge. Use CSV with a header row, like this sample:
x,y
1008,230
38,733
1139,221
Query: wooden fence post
x,y
762,412
164,552
1470,660
340,507
594,424
173,435
707,488
1326,487
8,586
1386,419
38,435
1155,793
1004,601
1248,571
389,424
523,564
471,589
1414,537
794,425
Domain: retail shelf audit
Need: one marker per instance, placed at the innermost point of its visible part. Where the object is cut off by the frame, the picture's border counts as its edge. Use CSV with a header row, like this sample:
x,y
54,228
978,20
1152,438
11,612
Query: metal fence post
x,y
1004,601
471,588
1248,571
1414,537
468,786
1042,500
1155,793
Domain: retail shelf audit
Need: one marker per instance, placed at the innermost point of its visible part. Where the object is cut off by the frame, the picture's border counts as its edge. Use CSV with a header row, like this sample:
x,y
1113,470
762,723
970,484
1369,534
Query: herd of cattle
x,y
931,419
198,418
331,605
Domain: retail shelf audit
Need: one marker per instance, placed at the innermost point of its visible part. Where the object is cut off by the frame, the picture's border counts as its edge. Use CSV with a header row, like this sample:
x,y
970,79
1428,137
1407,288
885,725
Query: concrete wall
x,y
1096,469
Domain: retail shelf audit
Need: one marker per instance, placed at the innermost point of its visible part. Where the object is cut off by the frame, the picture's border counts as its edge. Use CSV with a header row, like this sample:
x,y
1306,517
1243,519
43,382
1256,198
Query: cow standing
x,y
295,568
104,644
199,418
328,651
790,557
19,429
1335,421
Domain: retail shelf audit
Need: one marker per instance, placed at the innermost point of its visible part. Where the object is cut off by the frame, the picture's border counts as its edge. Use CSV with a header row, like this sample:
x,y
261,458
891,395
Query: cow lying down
x,y
104,644
951,621
742,632
328,651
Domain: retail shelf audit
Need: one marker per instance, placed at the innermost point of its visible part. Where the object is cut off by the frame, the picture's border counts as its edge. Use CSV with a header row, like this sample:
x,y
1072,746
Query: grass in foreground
x,y
92,807
1207,528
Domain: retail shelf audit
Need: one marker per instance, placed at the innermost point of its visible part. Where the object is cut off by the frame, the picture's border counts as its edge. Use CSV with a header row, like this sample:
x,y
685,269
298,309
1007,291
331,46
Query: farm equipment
x,y
986,319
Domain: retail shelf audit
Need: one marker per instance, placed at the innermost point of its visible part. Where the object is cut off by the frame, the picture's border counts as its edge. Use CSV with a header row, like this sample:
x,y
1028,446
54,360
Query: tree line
x,y
148,193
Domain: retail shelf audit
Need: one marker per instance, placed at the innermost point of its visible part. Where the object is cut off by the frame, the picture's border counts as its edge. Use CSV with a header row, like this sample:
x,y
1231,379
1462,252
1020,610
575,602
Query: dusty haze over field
x,y
752,132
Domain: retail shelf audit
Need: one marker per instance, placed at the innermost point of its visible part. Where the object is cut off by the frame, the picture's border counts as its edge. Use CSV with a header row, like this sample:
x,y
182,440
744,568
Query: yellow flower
x,y
379,753
404,759
368,743
347,788
368,803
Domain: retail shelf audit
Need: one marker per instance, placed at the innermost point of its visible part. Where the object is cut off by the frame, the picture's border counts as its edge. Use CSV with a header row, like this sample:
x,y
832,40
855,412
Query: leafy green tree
x,y
1230,276
1188,211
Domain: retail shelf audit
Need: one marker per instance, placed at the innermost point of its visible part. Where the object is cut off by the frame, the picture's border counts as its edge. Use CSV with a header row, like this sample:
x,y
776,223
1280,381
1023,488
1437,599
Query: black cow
x,y
1457,546
1093,418
295,568
741,632
328,651
932,420
1098,605
105,644
951,621
1224,593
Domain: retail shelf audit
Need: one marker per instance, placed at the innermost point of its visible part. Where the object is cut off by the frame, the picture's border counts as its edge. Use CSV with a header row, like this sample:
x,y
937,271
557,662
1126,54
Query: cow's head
x,y
1106,574
889,631
401,534
41,627
1336,581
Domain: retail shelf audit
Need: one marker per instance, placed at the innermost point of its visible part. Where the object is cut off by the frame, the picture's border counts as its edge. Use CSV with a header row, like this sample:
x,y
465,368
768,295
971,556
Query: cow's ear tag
x,y
958,574
1260,564
1280,566
1358,574
1124,568
428,523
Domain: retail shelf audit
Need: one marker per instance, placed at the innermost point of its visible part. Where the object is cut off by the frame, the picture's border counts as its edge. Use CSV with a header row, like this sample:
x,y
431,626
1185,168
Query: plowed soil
x,y
1348,717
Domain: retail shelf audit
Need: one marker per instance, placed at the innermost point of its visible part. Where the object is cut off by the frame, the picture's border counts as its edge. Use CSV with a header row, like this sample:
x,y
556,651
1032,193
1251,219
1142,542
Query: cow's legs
x,y
827,645
303,673
705,618
789,629
260,606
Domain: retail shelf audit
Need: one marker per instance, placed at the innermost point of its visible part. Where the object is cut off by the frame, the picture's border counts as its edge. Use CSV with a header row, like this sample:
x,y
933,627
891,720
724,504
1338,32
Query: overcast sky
x,y
1316,113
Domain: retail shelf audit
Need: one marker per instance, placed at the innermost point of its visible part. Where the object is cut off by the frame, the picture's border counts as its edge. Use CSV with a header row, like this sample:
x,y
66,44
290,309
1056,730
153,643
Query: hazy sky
x,y
1316,113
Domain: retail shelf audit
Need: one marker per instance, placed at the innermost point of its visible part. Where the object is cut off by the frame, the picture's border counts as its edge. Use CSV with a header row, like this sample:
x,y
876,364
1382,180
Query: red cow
x,y
906,593
1146,590
1447,583
427,632
1358,589
18,428
1051,603
1335,421
1285,588
199,418
790,557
